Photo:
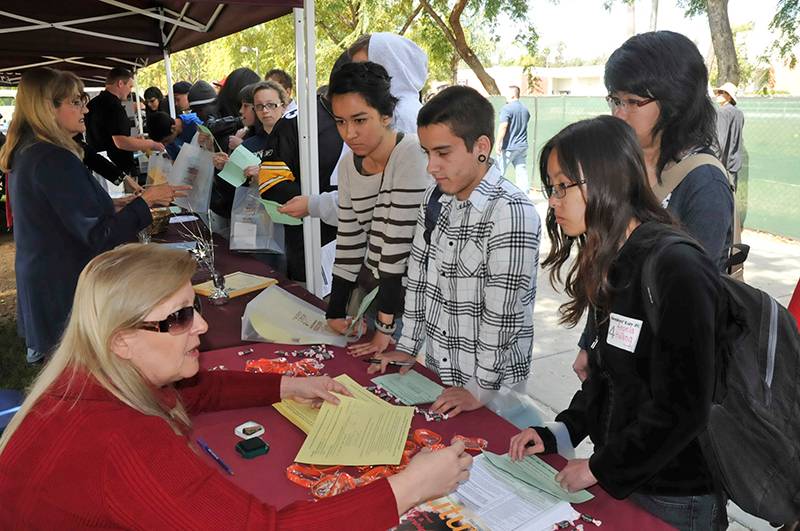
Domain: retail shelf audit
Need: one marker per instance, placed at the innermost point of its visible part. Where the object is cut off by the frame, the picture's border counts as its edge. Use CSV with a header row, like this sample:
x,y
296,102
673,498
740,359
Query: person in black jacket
x,y
647,396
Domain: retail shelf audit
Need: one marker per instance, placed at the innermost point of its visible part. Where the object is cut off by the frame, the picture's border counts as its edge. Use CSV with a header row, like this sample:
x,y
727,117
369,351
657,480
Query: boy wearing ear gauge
x,y
472,269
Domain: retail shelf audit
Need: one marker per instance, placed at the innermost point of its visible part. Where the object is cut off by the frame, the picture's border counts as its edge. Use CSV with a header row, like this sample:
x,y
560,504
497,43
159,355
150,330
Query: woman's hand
x,y
220,159
122,202
340,326
576,475
163,194
297,207
235,141
312,390
429,475
581,365
252,171
379,343
520,445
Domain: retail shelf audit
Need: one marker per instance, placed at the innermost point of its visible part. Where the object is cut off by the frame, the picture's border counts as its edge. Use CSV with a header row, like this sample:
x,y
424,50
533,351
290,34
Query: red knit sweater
x,y
82,458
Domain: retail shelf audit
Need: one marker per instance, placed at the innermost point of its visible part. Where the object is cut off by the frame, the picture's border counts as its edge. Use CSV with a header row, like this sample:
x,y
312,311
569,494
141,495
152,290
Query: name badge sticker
x,y
623,332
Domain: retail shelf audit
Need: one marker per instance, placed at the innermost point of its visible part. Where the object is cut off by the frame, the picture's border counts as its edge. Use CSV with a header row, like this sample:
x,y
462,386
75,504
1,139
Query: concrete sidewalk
x,y
773,266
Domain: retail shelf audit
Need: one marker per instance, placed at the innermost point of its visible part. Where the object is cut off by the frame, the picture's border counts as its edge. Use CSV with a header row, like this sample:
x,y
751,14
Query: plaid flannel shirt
x,y
470,293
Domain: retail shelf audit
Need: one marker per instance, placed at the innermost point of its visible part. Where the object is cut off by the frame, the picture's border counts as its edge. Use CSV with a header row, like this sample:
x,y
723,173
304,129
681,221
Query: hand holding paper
x,y
313,390
239,160
272,209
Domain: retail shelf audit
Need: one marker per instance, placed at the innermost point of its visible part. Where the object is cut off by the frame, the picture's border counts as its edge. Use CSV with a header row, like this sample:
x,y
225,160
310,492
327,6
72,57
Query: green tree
x,y
450,21
786,22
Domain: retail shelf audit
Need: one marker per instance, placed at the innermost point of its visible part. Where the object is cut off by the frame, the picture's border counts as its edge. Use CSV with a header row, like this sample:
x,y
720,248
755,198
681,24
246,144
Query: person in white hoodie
x,y
407,65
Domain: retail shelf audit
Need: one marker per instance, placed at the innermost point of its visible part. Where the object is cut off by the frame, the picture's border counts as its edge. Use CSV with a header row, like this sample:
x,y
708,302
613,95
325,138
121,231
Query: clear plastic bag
x,y
194,167
251,227
159,166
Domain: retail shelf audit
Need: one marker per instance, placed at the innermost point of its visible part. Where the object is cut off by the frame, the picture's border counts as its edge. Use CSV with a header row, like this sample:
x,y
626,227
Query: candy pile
x,y
317,352
430,416
326,482
303,367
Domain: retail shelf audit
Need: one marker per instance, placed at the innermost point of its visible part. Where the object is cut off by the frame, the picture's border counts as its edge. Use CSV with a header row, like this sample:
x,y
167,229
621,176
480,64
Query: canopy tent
x,y
90,38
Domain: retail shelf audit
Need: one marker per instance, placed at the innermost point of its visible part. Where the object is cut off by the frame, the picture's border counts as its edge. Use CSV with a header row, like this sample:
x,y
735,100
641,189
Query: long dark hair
x,y
228,98
604,152
667,66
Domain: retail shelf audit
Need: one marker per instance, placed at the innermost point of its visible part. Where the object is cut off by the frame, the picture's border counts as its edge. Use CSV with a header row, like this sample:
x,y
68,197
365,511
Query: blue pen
x,y
214,456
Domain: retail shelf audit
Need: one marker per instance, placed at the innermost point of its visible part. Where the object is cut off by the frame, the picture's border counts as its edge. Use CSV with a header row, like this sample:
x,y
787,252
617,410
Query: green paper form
x,y
411,388
240,158
534,472
278,217
362,309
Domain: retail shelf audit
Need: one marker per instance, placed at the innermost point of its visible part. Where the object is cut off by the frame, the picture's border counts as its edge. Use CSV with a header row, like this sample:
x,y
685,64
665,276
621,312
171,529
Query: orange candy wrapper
x,y
426,438
333,484
302,367
307,475
472,444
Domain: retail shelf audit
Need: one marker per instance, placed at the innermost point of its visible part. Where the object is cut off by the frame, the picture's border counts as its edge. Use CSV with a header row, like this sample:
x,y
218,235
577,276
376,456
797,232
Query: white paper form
x,y
503,507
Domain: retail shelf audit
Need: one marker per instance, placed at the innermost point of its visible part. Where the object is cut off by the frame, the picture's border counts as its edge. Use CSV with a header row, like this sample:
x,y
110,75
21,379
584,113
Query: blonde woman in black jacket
x,y
647,397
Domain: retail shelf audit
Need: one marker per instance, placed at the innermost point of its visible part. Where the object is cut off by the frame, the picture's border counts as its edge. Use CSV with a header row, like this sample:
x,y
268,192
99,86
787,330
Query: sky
x,y
589,31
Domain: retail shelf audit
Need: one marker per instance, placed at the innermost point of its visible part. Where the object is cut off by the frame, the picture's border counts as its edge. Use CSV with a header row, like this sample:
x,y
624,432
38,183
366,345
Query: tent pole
x,y
306,75
170,95
136,97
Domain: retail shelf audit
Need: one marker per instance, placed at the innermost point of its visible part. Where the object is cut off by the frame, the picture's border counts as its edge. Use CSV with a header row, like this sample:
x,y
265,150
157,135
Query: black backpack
x,y
752,442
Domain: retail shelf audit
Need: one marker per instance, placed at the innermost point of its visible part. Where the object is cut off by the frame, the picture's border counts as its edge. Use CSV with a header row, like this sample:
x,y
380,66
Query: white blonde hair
x,y
115,292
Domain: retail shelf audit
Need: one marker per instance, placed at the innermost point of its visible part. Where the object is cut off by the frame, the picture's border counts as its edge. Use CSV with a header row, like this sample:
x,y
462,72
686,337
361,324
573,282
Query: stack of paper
x,y
536,473
303,416
503,503
357,432
237,283
411,388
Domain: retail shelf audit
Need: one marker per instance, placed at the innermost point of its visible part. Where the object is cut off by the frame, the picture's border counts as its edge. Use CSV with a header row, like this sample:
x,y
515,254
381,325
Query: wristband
x,y
383,328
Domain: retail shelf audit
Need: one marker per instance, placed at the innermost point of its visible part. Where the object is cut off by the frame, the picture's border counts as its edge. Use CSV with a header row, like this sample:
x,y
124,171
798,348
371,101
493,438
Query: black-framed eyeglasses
x,y
559,190
175,323
626,104
261,107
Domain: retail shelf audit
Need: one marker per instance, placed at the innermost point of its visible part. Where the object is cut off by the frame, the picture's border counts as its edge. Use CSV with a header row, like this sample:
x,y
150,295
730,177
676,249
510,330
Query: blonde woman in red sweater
x,y
101,440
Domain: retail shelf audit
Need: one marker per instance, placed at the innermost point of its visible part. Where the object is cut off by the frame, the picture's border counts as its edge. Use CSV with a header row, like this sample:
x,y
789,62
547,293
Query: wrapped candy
x,y
472,444
375,473
302,367
333,484
425,437
307,475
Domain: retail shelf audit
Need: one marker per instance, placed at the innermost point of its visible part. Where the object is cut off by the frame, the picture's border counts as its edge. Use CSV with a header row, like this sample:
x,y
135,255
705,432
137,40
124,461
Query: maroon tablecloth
x,y
265,476
226,320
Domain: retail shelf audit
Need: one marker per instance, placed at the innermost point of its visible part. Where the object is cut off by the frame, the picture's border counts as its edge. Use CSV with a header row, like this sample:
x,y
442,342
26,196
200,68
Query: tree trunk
x,y
455,34
653,15
722,38
454,59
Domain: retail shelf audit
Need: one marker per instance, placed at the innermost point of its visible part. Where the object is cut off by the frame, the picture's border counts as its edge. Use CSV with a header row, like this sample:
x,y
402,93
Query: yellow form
x,y
357,433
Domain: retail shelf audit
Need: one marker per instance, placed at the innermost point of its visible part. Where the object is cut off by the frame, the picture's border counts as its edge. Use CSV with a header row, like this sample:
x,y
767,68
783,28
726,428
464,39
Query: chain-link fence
x,y
769,182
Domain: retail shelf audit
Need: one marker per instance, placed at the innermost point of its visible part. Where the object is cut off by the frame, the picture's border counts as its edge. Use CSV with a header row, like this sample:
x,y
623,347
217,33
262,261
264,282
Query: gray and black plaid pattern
x,y
470,294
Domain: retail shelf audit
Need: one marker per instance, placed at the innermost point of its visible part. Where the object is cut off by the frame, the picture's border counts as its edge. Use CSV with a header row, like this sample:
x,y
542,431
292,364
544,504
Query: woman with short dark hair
x,y
381,185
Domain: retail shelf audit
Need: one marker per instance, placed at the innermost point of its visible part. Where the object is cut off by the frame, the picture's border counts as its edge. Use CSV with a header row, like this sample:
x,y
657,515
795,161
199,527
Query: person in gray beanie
x,y
203,100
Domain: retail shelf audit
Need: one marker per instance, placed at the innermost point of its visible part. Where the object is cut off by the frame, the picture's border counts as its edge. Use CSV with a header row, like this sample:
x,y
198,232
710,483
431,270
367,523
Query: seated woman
x,y
63,218
381,184
647,396
101,440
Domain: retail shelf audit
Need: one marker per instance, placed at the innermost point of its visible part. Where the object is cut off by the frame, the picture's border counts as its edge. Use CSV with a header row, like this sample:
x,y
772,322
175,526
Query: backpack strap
x,y
432,211
672,177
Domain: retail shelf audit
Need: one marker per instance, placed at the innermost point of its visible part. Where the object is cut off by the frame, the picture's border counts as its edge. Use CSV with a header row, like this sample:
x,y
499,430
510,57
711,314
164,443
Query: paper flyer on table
x,y
303,416
279,217
357,433
442,514
534,472
503,507
411,388
277,316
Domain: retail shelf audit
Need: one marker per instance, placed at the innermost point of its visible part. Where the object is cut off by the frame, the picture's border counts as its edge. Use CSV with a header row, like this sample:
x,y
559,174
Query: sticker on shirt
x,y
623,332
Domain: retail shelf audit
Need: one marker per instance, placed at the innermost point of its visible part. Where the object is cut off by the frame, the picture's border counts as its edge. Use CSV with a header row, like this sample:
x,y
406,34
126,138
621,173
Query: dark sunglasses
x,y
177,322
